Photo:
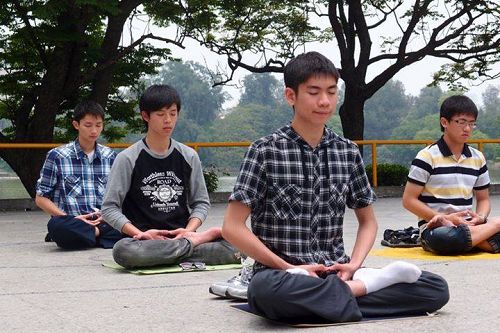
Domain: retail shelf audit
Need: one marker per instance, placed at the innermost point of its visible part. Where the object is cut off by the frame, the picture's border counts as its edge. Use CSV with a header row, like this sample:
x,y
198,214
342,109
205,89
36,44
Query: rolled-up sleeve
x,y
250,185
47,182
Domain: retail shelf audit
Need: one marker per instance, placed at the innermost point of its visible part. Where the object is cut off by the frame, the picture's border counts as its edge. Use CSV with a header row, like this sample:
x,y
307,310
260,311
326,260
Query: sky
x,y
414,77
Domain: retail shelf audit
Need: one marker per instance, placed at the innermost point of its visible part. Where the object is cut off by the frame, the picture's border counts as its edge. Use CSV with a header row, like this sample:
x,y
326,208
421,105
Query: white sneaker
x,y
237,292
236,287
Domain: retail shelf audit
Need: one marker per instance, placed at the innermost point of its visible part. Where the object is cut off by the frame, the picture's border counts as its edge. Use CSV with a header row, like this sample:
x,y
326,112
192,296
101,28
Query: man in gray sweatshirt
x,y
156,194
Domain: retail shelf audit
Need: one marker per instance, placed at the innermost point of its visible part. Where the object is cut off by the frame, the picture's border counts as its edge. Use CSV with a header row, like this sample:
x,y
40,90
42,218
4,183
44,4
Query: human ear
x,y
444,122
145,116
290,96
76,124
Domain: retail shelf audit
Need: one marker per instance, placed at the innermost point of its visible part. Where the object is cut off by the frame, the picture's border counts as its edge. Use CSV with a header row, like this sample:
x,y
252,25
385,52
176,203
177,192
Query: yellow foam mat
x,y
419,253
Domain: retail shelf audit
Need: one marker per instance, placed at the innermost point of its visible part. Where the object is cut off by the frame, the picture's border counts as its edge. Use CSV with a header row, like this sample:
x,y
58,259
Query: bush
x,y
389,174
211,175
211,180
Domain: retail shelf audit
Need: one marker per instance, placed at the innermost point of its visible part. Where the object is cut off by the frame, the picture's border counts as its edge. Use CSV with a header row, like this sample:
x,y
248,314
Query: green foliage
x,y
244,123
389,174
211,180
55,53
66,38
384,110
201,102
489,118
262,89
211,175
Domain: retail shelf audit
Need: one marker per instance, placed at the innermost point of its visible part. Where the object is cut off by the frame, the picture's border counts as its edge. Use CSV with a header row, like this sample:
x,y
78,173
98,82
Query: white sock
x,y
379,278
297,270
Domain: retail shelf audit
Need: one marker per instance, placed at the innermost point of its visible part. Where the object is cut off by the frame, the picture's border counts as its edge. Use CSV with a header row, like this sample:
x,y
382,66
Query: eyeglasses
x,y
192,266
462,123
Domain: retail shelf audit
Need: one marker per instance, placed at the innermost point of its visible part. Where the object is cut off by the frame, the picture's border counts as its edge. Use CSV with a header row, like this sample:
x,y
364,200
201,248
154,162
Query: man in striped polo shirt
x,y
443,179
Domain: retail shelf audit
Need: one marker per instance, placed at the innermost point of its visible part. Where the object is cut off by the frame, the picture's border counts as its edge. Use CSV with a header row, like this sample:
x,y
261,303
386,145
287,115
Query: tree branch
x,y
415,18
363,35
24,16
124,52
385,14
337,27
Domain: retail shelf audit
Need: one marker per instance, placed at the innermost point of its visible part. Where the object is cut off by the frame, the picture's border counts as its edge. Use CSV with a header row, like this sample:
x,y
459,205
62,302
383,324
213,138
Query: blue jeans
x,y
447,240
71,233
452,240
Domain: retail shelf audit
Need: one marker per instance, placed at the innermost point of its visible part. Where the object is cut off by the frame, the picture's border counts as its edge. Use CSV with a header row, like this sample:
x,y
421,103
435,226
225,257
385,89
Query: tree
x,y
242,124
54,53
201,103
263,89
467,33
260,110
385,110
489,117
427,101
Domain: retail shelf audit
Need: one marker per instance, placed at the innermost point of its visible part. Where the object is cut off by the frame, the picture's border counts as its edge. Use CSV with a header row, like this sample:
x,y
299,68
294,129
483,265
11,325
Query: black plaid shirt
x,y
298,194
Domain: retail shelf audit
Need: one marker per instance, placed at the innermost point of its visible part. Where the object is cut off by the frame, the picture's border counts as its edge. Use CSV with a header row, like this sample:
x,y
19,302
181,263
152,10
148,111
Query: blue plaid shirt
x,y
75,184
298,194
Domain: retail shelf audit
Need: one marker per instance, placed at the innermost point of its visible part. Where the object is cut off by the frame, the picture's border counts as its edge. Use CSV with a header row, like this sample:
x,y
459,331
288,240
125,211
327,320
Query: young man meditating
x,y
72,182
295,185
443,179
157,195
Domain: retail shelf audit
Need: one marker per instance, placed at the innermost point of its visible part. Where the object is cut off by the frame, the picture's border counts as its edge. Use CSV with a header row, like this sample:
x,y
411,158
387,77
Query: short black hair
x,y
304,66
159,96
457,104
88,107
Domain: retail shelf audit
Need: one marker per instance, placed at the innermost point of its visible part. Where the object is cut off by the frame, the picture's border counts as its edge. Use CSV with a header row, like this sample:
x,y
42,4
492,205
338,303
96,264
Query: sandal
x,y
408,237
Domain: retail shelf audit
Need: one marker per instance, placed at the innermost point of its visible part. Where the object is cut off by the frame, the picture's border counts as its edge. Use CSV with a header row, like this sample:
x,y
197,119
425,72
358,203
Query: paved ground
x,y
43,289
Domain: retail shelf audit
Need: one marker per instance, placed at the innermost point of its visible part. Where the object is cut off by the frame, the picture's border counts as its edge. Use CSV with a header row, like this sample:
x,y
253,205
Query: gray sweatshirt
x,y
155,191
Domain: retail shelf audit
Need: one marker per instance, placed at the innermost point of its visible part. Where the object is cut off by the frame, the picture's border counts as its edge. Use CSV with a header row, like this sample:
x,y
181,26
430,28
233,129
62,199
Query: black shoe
x,y
408,237
47,238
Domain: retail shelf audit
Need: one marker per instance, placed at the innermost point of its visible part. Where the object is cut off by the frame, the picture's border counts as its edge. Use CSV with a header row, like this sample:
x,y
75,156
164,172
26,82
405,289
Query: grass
x,y
12,188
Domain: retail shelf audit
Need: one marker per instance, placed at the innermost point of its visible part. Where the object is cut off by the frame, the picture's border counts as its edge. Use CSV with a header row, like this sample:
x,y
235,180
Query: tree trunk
x,y
26,163
352,116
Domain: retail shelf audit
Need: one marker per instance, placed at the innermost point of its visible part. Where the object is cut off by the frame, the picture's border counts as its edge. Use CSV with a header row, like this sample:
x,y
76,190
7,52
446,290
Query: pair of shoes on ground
x,y
408,237
237,286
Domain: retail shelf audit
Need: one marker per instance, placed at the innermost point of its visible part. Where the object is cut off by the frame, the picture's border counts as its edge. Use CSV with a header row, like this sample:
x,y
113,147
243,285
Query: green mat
x,y
167,269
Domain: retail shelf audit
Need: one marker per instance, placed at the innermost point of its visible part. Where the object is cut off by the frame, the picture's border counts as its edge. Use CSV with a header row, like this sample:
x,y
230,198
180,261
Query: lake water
x,y
12,188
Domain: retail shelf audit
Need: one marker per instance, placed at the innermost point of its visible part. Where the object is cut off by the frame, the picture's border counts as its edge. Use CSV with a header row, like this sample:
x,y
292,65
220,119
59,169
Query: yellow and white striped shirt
x,y
448,182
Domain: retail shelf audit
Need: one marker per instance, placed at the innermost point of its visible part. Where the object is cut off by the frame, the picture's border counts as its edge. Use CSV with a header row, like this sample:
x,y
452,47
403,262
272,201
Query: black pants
x,y
278,295
71,233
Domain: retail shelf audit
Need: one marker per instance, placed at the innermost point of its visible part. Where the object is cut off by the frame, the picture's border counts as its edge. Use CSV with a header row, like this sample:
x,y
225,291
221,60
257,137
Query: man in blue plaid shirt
x,y
72,183
295,185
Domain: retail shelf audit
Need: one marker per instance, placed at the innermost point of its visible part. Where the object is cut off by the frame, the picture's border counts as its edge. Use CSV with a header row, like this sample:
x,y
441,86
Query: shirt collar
x,y
80,153
445,150
288,132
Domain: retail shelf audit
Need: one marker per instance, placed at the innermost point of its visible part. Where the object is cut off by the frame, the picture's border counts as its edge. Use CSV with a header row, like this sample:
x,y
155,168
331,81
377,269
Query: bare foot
x,y
206,236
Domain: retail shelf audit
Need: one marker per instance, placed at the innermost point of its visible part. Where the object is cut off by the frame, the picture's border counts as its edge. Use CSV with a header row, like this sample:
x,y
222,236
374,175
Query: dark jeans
x,y
447,240
71,233
279,295
453,240
132,253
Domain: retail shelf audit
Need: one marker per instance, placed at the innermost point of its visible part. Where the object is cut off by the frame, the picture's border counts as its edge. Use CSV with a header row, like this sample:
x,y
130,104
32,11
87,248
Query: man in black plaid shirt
x,y
295,184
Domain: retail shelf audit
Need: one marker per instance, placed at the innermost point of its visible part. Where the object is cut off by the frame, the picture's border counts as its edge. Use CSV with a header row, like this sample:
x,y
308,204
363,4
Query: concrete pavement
x,y
44,289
